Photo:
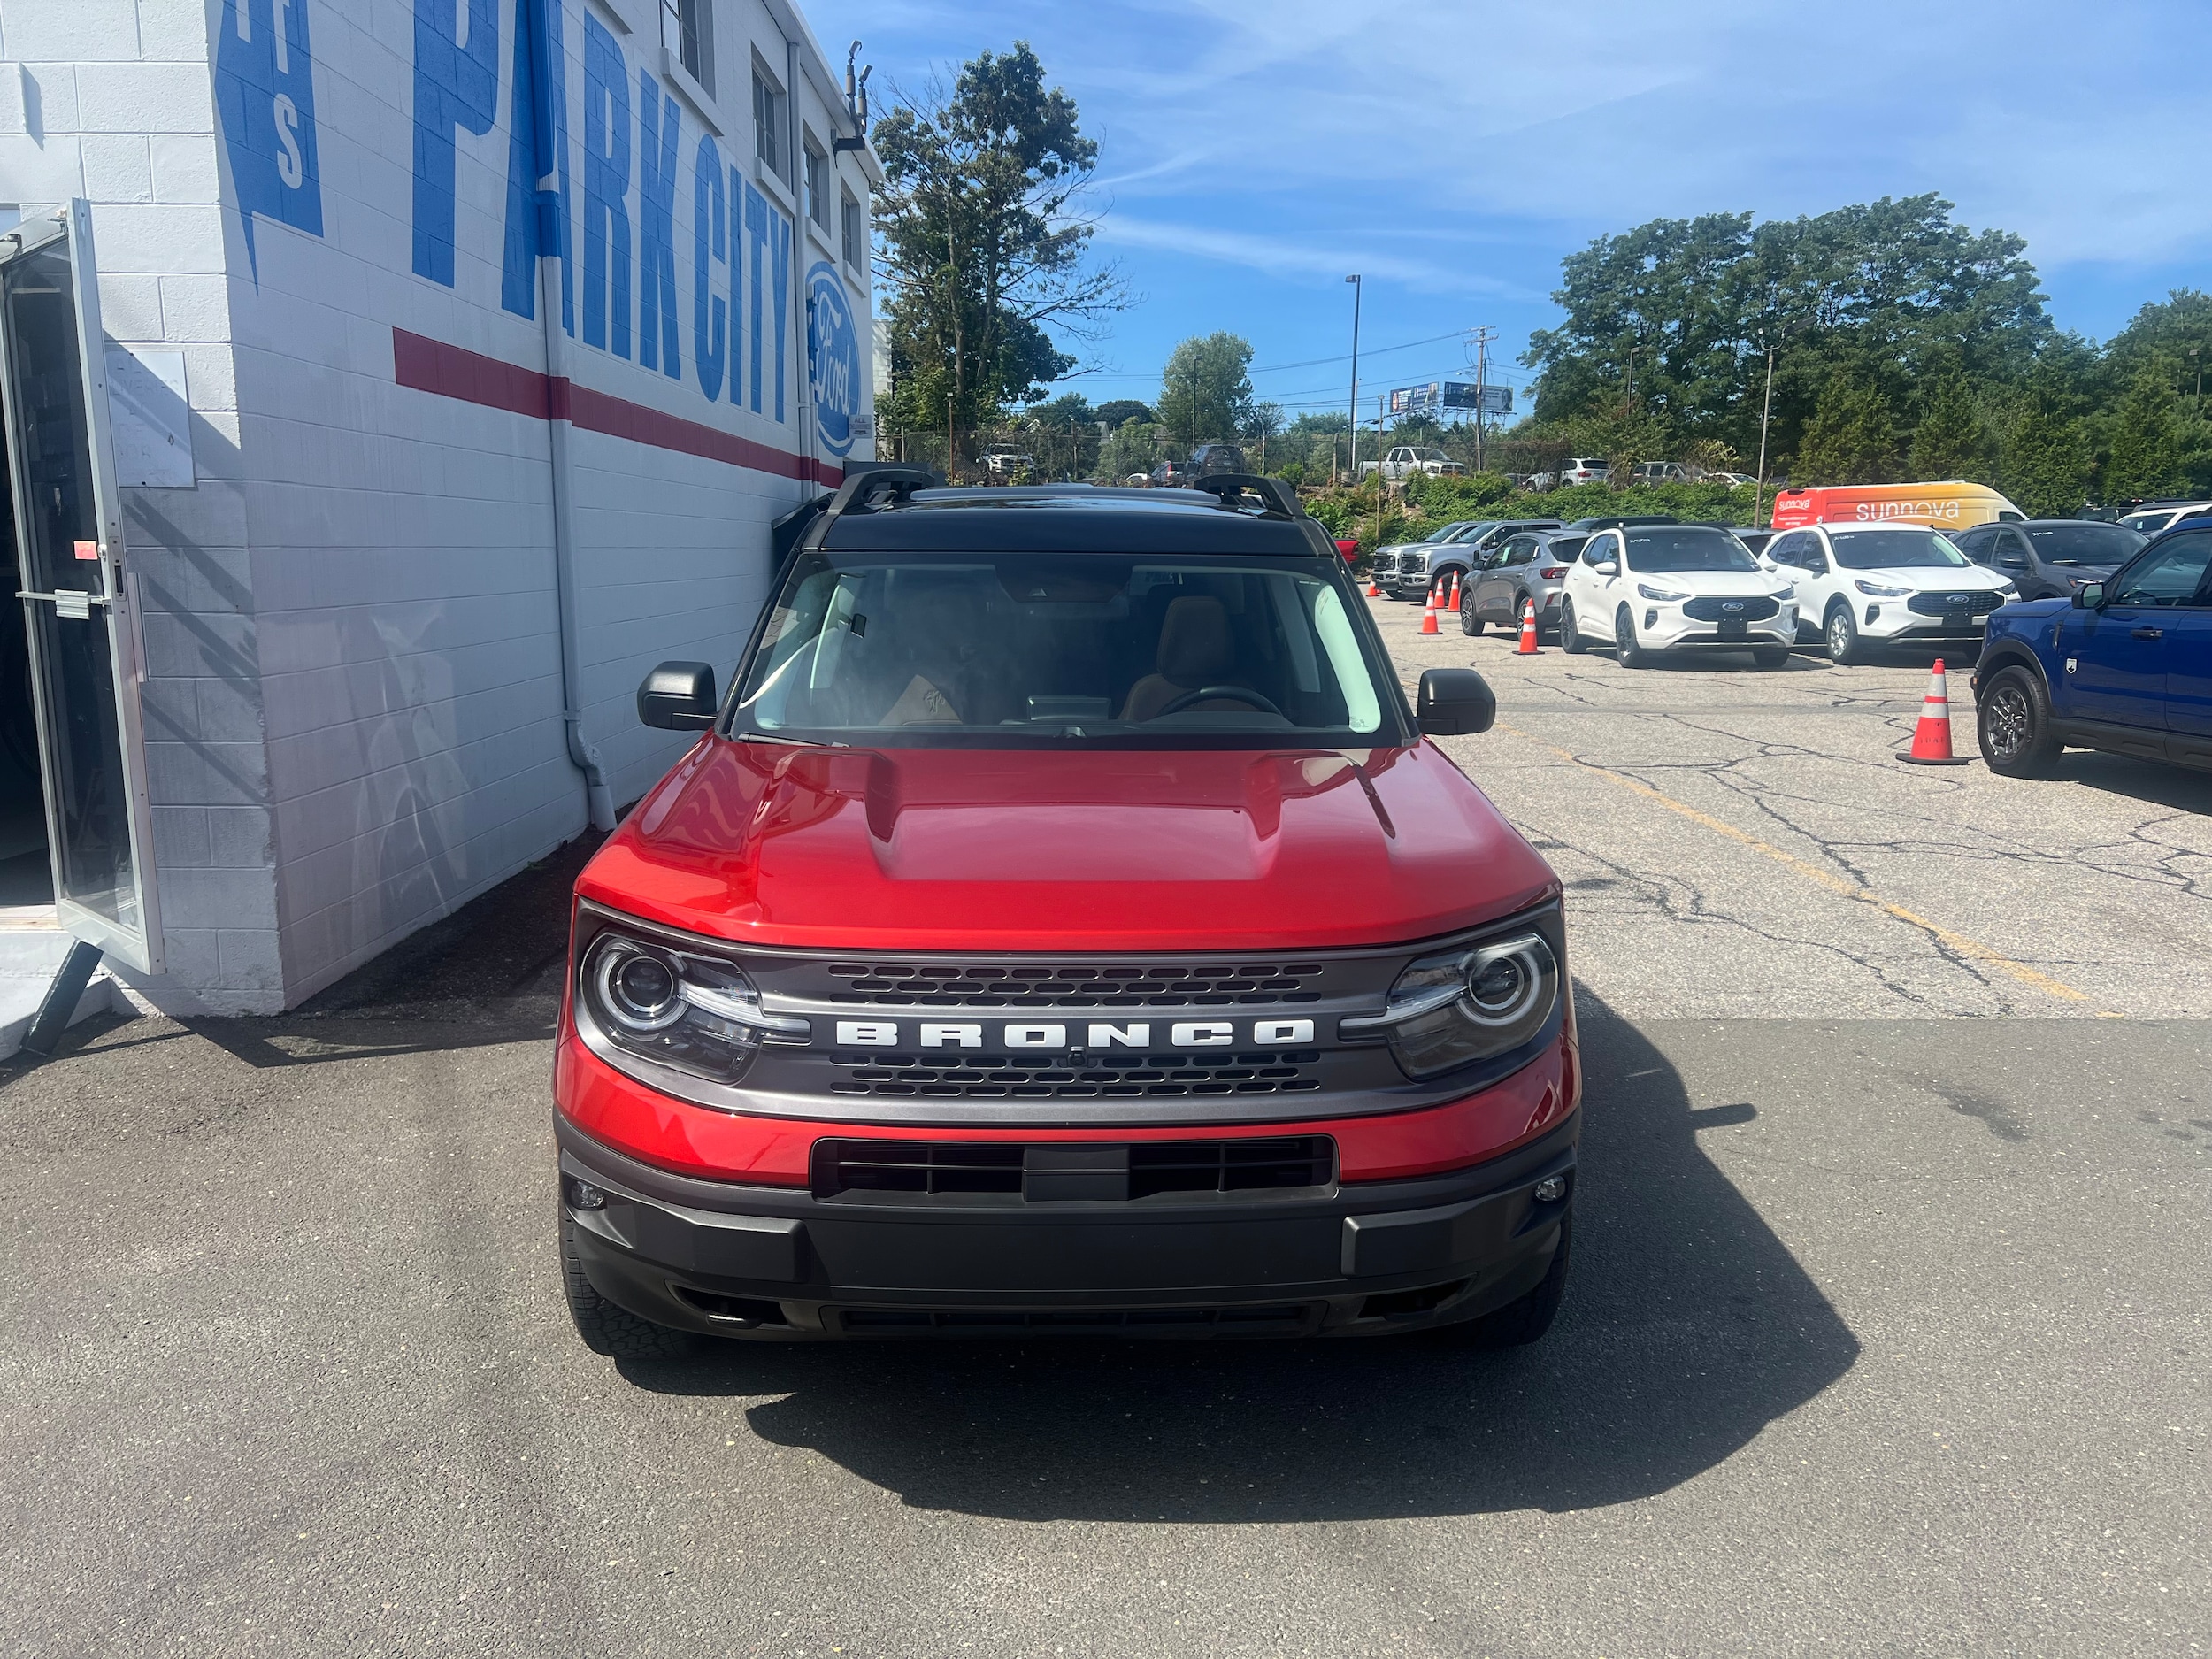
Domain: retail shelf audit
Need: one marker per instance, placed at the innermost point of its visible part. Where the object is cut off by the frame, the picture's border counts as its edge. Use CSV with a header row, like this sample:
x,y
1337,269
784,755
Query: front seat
x,y
1196,650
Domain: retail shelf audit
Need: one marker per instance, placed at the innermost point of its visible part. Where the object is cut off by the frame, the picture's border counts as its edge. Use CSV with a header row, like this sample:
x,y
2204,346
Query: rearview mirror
x,y
2089,596
1456,702
677,697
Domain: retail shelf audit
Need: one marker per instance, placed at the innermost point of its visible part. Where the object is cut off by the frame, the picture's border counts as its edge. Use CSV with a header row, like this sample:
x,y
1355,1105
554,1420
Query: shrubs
x,y
1428,503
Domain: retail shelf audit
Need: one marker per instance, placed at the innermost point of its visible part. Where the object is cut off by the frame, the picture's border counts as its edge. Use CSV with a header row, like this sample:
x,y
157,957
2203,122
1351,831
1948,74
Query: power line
x,y
1276,368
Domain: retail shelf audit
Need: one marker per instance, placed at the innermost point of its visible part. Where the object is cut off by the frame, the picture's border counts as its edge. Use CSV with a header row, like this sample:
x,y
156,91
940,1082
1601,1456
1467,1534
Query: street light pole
x,y
1351,467
1759,487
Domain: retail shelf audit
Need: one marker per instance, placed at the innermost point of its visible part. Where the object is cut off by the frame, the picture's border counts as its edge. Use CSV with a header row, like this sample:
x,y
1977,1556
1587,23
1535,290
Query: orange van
x,y
1946,506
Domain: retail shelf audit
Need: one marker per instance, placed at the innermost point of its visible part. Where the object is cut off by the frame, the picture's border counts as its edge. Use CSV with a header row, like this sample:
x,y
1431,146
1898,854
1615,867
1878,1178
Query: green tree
x,y
1125,408
2178,328
1206,389
2045,463
1951,440
1852,437
2148,435
981,250
1130,447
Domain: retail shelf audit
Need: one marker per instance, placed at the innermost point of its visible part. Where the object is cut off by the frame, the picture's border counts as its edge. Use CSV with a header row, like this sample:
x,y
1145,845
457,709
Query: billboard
x,y
1491,400
1412,400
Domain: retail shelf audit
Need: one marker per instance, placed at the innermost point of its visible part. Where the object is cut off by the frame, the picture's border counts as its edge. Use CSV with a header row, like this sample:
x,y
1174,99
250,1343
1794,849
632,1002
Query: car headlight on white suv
x,y
1661,594
1876,591
1787,591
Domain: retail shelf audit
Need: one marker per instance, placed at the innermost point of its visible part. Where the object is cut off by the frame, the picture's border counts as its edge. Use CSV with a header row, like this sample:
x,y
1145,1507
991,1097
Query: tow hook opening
x,y
1410,1304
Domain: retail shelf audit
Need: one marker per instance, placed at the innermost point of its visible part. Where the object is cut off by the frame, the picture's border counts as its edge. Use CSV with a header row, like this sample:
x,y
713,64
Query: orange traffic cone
x,y
1373,591
1453,602
1528,630
1428,615
1931,738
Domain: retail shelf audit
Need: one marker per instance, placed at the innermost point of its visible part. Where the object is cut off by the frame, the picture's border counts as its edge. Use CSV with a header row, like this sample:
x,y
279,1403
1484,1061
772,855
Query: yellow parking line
x,y
1971,949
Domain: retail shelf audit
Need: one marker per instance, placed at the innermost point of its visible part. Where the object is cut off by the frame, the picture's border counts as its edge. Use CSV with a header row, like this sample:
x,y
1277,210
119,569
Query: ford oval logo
x,y
1955,599
1734,604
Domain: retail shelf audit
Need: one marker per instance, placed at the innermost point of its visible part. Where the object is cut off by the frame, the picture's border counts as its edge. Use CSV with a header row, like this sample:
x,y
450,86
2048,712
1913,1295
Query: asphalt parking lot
x,y
1887,1333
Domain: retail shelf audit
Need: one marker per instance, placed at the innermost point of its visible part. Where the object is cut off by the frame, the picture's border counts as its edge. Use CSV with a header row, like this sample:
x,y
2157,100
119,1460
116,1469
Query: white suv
x,y
1651,588
1861,585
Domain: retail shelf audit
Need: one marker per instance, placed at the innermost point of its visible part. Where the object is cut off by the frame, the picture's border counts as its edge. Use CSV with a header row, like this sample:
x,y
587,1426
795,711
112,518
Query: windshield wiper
x,y
795,742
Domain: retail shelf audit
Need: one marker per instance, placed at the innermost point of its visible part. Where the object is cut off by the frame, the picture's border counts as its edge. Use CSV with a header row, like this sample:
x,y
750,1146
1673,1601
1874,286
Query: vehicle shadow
x,y
2177,789
1688,1327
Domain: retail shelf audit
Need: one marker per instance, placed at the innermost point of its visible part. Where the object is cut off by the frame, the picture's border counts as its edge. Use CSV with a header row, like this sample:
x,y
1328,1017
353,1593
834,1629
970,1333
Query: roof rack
x,y
863,488
1279,497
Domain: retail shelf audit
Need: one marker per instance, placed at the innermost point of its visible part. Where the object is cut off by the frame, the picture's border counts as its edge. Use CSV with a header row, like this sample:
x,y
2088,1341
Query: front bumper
x,y
778,1263
1664,628
1890,619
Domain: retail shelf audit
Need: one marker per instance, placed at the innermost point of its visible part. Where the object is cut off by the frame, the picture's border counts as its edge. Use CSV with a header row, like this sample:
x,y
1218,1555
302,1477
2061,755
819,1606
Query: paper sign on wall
x,y
149,418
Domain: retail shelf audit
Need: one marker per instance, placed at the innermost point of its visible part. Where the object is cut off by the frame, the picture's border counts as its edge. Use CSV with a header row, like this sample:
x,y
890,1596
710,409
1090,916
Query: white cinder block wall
x,y
354,709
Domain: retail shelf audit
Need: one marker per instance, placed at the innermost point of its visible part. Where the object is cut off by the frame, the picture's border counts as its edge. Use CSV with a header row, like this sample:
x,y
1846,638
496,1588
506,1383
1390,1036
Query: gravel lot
x,y
1888,1329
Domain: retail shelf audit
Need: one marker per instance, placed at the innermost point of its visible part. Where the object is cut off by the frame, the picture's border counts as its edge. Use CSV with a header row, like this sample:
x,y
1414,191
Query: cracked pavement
x,y
1886,1333
2087,894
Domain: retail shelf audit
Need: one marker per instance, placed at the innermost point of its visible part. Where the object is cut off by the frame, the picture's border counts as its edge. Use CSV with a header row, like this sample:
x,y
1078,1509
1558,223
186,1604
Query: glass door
x,y
76,598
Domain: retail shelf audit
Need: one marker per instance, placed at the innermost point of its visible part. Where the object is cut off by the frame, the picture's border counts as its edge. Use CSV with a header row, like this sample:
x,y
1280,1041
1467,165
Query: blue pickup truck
x,y
2126,665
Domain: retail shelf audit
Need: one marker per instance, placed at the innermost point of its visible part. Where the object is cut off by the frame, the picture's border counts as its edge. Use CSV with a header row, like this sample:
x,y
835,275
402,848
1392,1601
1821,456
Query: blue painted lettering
x,y
656,227
537,163
606,190
757,211
780,251
264,87
456,87
710,247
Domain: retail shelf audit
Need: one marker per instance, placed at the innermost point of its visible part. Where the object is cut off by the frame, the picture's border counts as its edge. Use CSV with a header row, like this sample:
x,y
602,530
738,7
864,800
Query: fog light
x,y
584,1195
1873,615
1551,1189
1651,619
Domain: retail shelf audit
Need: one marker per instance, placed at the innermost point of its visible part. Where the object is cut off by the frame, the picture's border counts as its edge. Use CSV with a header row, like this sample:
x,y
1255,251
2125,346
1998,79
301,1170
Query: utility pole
x,y
1484,335
1351,468
1380,399
1759,488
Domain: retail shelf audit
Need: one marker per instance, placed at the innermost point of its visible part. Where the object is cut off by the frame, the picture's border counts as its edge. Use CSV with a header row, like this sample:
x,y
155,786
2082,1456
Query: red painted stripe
x,y
423,364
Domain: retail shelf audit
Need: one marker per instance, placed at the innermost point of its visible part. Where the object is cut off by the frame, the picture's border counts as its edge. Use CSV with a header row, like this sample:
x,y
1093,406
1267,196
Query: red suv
x,y
1063,926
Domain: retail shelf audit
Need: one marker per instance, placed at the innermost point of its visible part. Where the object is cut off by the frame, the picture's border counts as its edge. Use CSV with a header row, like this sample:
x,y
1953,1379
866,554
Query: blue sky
x,y
1253,154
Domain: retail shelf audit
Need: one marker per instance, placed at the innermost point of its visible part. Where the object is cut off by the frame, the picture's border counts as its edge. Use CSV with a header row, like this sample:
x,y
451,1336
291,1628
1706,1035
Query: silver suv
x,y
1531,565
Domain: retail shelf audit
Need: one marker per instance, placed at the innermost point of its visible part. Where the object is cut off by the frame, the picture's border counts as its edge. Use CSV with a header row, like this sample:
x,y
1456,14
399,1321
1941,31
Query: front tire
x,y
1845,648
1571,640
2013,722
1626,651
605,1327
1468,622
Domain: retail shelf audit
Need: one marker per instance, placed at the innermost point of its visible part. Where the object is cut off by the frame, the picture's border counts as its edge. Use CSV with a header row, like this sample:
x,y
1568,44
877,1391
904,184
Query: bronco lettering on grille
x,y
1096,1034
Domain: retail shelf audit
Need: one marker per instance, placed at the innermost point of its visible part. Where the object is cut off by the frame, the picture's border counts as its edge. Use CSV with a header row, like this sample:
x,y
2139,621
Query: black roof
x,y
889,509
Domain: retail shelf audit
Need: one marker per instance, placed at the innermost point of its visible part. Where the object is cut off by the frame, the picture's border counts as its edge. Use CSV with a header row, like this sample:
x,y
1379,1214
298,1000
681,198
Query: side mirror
x,y
2089,596
2012,562
677,697
1607,567
1456,702
1818,563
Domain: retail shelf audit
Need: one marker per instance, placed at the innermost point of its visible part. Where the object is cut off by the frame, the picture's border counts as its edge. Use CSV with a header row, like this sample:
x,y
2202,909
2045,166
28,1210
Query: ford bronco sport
x,y
1062,924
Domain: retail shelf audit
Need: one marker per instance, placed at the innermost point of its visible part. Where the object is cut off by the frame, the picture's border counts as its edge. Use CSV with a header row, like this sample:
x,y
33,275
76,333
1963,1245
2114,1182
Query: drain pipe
x,y
598,799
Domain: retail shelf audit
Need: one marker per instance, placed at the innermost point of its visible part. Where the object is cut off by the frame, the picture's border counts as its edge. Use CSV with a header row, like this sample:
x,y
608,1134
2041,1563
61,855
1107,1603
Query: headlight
x,y
678,1007
1474,1003
1788,590
1659,594
1875,590
2007,593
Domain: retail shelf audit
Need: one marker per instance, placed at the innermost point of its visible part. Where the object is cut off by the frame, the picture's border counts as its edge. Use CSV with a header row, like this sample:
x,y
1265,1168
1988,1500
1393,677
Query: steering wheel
x,y
1237,693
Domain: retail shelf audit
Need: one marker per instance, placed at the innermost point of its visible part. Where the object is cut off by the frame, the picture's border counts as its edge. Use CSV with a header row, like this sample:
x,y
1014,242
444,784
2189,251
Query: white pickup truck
x,y
1409,458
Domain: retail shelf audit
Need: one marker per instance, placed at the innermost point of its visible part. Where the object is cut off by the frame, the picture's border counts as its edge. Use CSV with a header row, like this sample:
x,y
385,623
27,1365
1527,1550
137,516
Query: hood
x,y
1718,584
1927,579
1059,851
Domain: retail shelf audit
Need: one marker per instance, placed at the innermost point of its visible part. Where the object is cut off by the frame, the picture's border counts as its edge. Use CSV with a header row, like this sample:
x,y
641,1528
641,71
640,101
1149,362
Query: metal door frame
x,y
119,595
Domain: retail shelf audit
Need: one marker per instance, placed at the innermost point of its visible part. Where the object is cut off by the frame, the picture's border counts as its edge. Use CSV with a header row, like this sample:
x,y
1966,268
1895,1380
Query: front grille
x,y
1057,1077
1017,985
1709,608
1977,605
966,1168
1281,1316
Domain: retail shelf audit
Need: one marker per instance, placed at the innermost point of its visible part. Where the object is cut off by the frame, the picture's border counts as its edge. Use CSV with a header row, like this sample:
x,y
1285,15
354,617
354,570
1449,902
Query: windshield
x,y
2149,523
1065,650
1895,550
2083,543
1653,551
1446,533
